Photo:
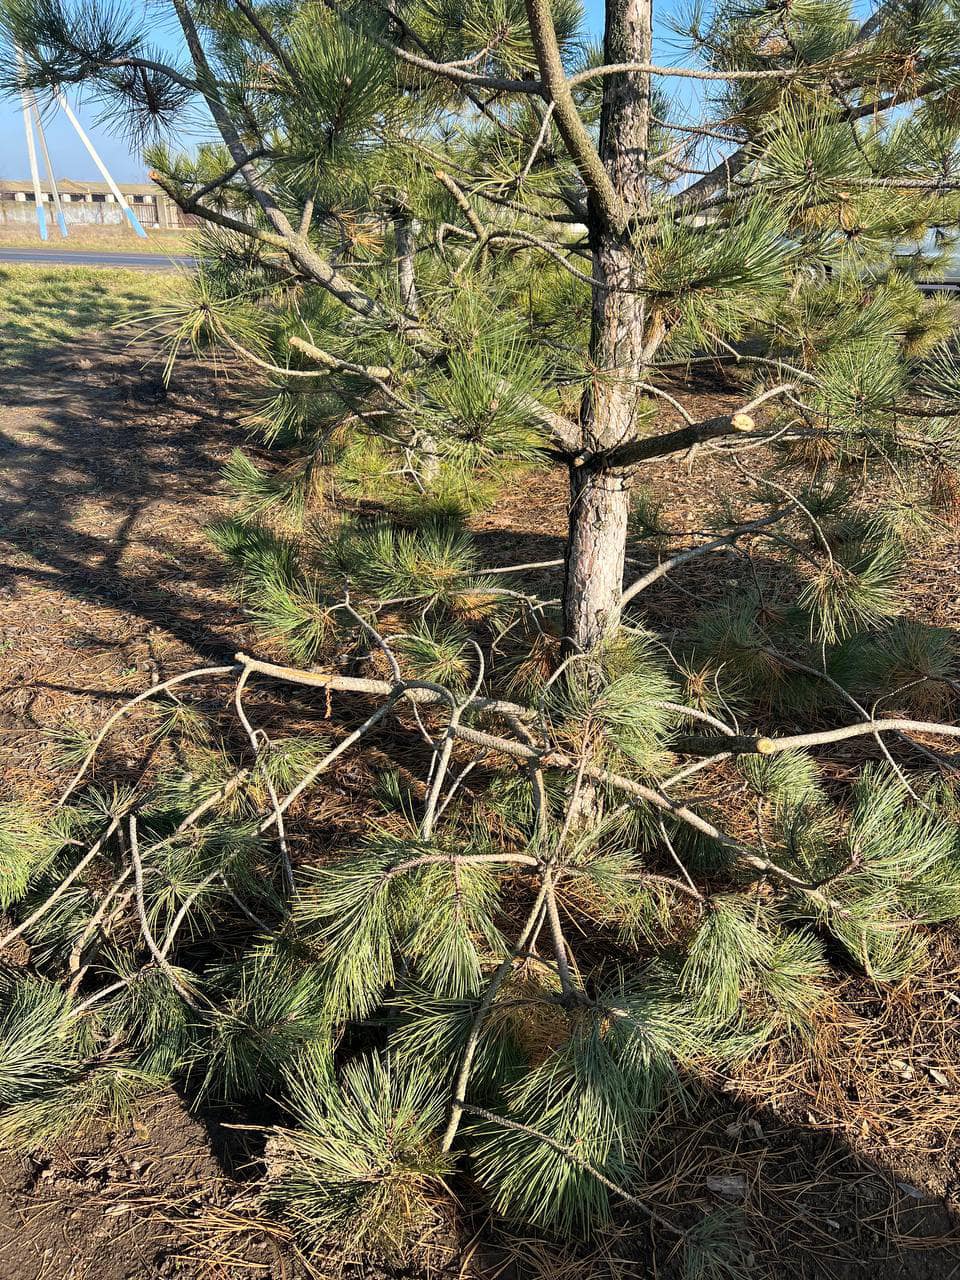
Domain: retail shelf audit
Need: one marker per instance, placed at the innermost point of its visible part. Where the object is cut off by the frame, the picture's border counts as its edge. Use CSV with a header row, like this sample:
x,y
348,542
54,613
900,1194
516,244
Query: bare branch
x,y
462,1077
658,446
687,73
258,745
558,759
728,540
463,204
773,746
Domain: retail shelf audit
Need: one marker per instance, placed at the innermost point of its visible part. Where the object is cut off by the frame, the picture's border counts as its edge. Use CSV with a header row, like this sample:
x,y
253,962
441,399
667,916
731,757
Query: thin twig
x,y
152,692
159,957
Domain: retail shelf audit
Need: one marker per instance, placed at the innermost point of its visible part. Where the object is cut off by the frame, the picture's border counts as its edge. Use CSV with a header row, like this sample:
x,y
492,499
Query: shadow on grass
x,y
42,307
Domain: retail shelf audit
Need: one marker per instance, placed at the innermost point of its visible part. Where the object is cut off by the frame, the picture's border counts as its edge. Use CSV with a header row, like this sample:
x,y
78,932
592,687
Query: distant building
x,y
91,203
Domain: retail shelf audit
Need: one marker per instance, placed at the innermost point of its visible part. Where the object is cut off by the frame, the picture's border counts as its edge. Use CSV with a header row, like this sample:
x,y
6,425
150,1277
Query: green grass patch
x,y
42,307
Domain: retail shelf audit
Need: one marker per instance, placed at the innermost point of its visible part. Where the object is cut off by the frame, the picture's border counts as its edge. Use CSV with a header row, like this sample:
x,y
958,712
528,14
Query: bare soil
x,y
107,481
845,1161
149,1201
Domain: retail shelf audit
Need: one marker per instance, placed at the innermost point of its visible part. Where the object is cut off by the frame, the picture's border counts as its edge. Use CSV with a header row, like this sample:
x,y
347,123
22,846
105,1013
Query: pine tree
x,y
456,242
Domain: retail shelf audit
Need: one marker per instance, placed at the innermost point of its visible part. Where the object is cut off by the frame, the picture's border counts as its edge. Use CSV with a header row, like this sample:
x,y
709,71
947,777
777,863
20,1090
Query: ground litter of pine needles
x,y
845,1159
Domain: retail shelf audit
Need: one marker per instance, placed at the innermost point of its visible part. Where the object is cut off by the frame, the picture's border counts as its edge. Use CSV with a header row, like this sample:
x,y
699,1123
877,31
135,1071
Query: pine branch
x,y
446,70
699,194
570,124
251,15
62,887
297,248
659,446
162,68
159,958
549,758
260,153
310,265
575,1158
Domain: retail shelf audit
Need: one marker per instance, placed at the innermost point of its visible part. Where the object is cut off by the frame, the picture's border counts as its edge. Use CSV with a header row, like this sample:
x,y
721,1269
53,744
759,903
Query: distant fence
x,y
96,212
76,213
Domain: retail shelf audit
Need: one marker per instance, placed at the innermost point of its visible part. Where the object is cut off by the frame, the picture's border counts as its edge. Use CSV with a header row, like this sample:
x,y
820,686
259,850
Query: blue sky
x,y
70,160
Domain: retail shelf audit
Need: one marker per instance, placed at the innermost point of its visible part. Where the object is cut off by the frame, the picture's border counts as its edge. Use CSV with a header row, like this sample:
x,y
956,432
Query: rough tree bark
x,y
620,343
405,231
405,228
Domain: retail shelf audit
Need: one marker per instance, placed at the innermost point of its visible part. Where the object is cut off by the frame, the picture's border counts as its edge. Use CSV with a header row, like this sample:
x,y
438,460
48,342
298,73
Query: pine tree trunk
x,y
599,504
405,228
599,498
405,231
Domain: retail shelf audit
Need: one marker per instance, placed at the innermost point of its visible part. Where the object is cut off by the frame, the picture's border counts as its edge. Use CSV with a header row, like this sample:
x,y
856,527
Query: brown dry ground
x,y
109,239
845,1161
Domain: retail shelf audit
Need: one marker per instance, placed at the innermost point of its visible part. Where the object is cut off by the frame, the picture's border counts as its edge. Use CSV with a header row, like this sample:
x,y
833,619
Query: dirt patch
x,y
107,481
147,1201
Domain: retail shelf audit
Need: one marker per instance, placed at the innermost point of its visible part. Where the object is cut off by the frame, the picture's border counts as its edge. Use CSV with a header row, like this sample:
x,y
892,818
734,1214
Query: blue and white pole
x,y
117,193
51,176
32,149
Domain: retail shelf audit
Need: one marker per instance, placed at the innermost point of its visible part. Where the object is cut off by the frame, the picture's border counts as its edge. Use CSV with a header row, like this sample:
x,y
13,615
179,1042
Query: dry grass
x,y
115,239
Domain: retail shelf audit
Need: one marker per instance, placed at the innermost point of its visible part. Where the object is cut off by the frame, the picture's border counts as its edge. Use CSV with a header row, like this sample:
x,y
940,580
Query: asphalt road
x,y
94,258
170,262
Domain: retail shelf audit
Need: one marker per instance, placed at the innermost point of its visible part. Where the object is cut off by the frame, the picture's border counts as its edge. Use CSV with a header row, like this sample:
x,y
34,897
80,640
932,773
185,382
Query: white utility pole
x,y
51,176
118,194
32,149
31,118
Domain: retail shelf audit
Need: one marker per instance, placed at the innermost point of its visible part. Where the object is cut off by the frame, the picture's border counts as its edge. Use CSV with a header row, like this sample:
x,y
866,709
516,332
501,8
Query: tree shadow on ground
x,y
42,307
107,479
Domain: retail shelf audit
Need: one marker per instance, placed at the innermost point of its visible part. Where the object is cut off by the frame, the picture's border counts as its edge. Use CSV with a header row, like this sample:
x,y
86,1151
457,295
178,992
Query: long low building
x,y
90,203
